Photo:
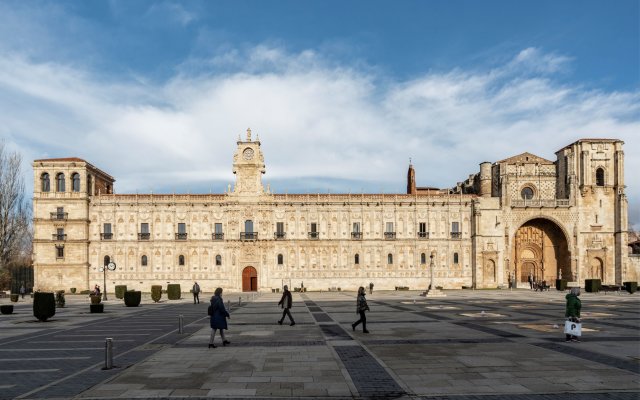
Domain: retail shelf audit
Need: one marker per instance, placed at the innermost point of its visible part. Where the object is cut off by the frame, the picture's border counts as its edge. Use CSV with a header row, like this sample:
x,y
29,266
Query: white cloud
x,y
315,118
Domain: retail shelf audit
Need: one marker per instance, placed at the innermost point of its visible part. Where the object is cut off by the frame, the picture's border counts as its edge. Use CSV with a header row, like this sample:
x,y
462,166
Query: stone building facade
x,y
519,216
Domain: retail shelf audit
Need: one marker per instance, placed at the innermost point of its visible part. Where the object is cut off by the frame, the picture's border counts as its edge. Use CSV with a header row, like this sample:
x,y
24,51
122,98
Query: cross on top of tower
x,y
248,134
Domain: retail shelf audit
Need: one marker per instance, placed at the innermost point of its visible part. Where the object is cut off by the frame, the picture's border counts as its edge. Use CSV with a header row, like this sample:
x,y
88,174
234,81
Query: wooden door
x,y
249,280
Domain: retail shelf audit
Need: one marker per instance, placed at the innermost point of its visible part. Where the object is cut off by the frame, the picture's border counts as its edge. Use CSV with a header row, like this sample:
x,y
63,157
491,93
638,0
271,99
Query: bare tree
x,y
15,231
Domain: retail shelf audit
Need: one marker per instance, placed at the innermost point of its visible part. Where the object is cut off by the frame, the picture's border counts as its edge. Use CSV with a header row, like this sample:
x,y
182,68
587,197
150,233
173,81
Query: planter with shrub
x,y
60,301
73,290
561,284
96,308
14,298
85,291
6,309
132,298
120,289
44,305
156,293
631,287
173,291
95,299
592,285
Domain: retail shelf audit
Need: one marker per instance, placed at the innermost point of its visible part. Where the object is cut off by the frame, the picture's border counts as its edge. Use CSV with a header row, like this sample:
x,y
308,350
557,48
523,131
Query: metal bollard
x,y
108,353
180,324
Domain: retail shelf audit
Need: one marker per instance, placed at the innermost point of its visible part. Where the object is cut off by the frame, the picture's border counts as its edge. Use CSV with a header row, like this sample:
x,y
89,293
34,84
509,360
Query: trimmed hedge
x,y
96,299
561,284
14,298
592,285
120,289
72,290
60,301
6,309
132,298
44,305
173,291
156,293
631,287
96,308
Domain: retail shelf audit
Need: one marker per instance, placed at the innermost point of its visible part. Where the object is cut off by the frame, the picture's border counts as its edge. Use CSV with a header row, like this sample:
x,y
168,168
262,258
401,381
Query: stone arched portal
x,y
540,248
249,280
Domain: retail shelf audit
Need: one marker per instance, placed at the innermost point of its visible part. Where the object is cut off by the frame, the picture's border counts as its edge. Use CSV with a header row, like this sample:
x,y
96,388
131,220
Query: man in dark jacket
x,y
572,310
286,302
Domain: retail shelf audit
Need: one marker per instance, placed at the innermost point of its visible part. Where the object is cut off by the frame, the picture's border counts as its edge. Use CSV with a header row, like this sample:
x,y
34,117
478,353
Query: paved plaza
x,y
471,344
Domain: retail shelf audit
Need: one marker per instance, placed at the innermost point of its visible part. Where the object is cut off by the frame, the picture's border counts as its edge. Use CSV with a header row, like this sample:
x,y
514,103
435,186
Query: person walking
x,y
22,291
286,302
370,287
530,280
196,293
219,317
572,311
361,307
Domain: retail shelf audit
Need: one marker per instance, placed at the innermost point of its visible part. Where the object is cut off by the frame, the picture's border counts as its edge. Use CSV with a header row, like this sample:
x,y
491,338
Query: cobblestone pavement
x,y
484,344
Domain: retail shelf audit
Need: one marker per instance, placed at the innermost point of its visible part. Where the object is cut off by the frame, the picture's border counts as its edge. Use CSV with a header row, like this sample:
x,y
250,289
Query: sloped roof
x,y
525,158
67,159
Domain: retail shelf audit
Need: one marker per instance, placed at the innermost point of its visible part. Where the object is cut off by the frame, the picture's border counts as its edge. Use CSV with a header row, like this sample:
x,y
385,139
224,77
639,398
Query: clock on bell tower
x,y
248,166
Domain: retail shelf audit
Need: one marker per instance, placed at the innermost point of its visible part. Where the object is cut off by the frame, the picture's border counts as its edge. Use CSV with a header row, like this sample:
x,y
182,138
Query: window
x,y
106,260
455,230
106,231
455,258
59,235
75,182
356,227
181,259
422,230
248,233
280,230
143,261
600,177
59,251
217,229
59,214
218,259
248,226
144,231
389,233
526,193
60,182
182,231
423,258
280,259
45,186
356,259
313,234
389,258
389,227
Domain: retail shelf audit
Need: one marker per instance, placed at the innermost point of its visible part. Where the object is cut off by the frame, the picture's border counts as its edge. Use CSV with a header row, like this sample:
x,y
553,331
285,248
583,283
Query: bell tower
x,y
248,166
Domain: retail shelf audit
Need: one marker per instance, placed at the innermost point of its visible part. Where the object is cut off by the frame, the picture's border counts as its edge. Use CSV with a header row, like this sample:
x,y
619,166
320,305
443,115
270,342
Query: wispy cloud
x,y
316,118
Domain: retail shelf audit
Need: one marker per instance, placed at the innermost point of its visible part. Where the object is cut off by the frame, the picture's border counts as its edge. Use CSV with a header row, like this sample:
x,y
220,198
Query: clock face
x,y
247,154
111,266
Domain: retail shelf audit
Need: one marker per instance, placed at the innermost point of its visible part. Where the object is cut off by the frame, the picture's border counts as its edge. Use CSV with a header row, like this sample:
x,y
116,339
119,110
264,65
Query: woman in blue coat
x,y
219,317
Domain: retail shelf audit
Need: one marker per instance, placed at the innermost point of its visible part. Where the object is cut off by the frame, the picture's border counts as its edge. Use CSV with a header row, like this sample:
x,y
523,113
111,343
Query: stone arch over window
x,y
600,177
423,258
180,259
389,258
218,259
144,261
356,259
60,182
75,182
45,185
456,259
106,260
280,259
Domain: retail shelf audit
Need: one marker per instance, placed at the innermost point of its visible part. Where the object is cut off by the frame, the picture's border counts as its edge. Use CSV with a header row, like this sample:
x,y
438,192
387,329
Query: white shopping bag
x,y
573,328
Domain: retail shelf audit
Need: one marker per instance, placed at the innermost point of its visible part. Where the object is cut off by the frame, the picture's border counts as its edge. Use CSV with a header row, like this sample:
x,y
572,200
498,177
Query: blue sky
x,y
341,93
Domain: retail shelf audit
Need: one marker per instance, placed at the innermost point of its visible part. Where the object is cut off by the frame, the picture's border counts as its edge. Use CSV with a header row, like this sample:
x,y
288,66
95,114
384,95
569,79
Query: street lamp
x,y
111,267
431,266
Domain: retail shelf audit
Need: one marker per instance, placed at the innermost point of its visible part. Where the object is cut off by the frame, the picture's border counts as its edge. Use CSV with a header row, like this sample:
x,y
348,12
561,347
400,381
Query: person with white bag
x,y
572,326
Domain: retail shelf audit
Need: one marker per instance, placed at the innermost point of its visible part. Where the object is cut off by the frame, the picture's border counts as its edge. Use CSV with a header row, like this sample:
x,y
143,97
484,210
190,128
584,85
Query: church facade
x,y
521,216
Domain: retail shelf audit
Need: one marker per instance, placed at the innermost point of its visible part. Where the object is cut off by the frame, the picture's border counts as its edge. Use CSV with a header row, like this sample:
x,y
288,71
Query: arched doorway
x,y
249,279
541,248
490,271
596,269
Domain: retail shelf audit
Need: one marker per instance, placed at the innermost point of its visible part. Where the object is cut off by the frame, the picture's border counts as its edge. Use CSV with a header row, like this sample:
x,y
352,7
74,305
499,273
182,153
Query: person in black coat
x,y
286,303
219,317
361,307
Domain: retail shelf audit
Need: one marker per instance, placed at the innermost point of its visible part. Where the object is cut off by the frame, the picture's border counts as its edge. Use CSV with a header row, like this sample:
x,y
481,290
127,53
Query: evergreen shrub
x,y
631,287
96,308
14,298
561,284
173,291
592,285
44,305
6,309
60,301
73,290
156,293
132,298
120,289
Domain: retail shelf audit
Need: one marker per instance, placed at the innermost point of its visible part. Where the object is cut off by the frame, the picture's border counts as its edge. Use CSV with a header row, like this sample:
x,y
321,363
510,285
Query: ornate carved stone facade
x,y
517,216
